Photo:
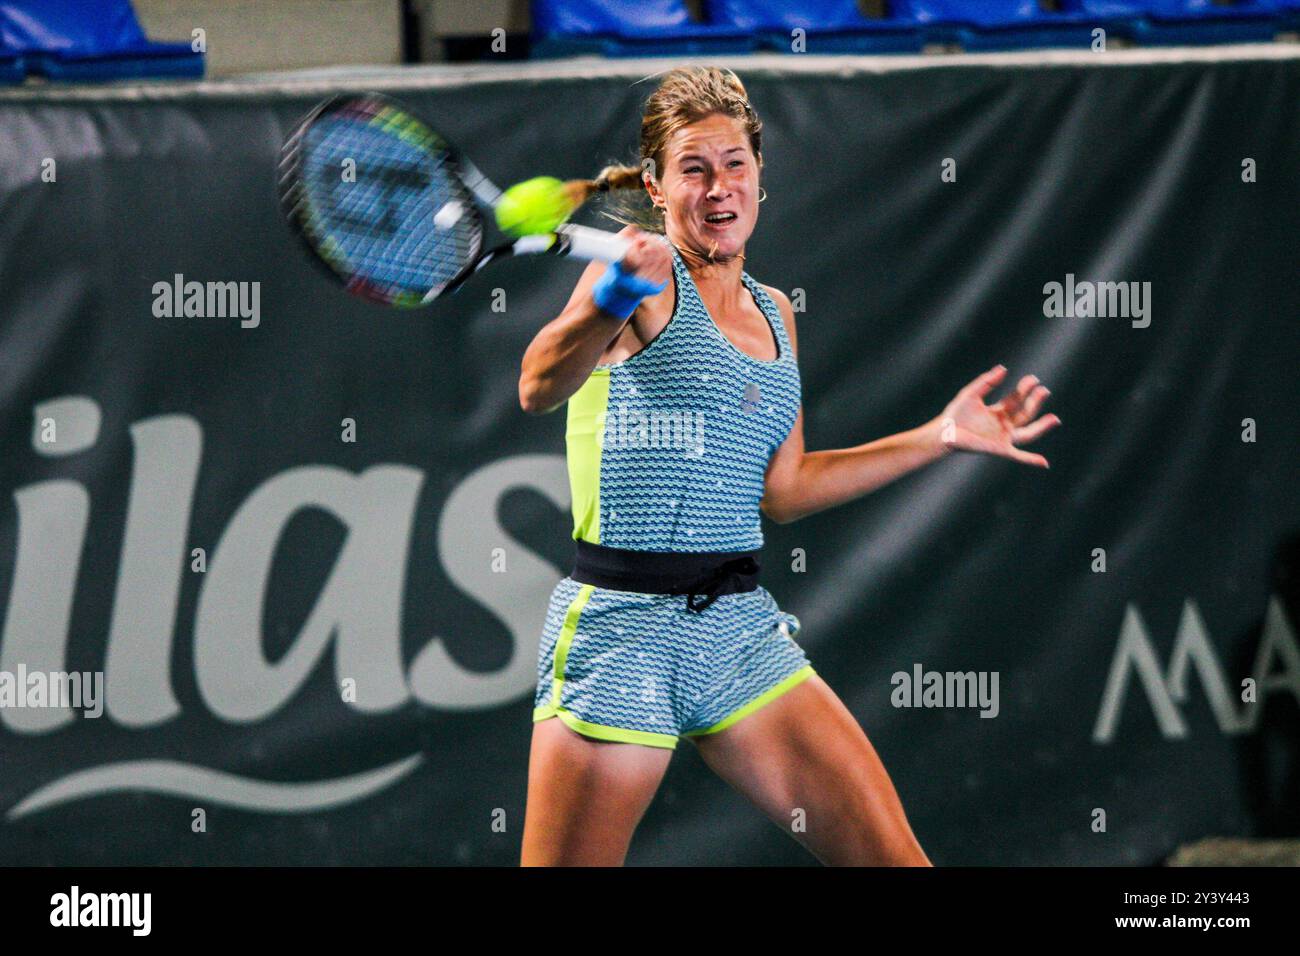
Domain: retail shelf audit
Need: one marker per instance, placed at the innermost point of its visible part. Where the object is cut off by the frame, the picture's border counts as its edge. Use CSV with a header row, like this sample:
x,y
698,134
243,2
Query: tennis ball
x,y
535,205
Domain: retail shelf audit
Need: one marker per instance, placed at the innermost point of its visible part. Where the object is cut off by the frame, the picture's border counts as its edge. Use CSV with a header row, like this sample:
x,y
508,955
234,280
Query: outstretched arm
x,y
800,483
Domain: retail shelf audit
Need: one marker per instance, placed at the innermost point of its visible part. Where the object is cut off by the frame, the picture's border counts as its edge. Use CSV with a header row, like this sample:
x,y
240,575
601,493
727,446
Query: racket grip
x,y
587,243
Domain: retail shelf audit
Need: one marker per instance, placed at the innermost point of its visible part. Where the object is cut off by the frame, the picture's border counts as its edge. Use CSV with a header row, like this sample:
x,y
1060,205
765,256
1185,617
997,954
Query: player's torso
x,y
668,448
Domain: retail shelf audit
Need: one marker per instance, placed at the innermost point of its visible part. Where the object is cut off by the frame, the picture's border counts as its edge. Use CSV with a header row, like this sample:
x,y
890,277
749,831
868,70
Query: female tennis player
x,y
684,421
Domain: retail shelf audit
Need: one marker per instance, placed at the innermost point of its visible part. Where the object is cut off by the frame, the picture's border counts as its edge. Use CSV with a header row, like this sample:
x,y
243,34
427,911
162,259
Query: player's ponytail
x,y
618,177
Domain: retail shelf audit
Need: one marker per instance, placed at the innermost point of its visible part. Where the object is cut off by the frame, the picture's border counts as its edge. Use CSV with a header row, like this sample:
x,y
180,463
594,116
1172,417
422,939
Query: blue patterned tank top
x,y
668,449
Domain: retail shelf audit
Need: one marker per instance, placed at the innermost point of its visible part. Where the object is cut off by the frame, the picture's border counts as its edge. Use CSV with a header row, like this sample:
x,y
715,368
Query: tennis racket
x,y
394,210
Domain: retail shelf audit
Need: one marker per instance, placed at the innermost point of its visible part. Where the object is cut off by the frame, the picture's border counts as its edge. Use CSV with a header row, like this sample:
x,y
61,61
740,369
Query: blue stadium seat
x,y
1122,18
997,24
831,26
84,40
1200,21
1178,22
629,28
11,65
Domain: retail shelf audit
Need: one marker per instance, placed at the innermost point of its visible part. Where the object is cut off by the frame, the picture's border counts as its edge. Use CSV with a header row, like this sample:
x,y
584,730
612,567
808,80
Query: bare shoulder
x,y
787,314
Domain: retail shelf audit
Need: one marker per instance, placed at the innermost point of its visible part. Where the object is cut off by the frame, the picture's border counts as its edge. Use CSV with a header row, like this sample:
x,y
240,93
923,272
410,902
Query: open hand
x,y
967,424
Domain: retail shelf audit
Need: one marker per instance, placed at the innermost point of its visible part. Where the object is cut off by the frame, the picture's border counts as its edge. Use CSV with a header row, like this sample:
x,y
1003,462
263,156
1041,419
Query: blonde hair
x,y
684,96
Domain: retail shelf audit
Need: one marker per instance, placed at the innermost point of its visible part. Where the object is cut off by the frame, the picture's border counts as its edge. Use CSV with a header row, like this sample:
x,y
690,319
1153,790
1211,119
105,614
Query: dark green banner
x,y
303,545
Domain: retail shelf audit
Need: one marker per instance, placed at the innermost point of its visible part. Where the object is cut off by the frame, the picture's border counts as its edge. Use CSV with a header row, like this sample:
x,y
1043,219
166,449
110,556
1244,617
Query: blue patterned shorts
x,y
641,668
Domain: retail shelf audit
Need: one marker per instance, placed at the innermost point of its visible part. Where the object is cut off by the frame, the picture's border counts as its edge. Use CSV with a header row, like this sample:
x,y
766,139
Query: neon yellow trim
x,y
566,638
798,677
585,438
603,732
556,709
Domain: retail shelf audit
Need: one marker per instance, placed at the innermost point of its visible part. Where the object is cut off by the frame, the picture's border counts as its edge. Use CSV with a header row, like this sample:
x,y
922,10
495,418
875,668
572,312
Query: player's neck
x,y
708,268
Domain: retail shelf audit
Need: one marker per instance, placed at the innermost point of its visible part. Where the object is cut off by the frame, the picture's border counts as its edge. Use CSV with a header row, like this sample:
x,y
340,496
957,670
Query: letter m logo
x,y
1165,692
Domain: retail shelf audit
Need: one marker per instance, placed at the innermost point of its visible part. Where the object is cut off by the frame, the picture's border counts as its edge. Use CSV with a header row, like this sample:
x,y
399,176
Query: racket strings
x,y
372,187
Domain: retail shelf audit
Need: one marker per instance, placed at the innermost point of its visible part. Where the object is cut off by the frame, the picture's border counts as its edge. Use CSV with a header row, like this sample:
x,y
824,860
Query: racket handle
x,y
587,243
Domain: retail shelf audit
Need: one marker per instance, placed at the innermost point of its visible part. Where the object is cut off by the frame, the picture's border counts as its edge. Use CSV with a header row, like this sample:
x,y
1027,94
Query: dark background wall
x,y
371,561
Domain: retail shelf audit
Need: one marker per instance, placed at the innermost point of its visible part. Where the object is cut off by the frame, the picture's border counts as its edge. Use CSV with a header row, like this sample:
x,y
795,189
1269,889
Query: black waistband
x,y
702,575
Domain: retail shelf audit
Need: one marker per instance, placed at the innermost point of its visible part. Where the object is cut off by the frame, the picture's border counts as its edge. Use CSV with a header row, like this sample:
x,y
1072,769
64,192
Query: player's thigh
x,y
804,761
585,797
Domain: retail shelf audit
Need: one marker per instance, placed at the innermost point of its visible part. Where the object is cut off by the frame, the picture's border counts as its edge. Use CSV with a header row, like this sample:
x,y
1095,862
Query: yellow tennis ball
x,y
536,205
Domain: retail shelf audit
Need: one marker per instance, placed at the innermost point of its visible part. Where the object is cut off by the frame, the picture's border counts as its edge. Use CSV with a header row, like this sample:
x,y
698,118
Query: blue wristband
x,y
619,293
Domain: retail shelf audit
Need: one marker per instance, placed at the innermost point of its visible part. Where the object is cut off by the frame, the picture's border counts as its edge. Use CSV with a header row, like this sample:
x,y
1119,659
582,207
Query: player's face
x,y
710,186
